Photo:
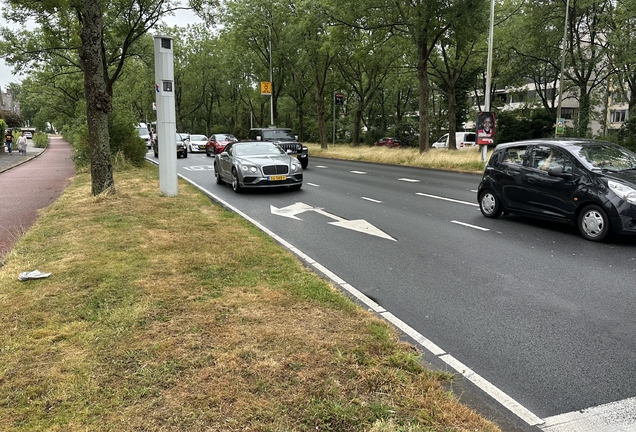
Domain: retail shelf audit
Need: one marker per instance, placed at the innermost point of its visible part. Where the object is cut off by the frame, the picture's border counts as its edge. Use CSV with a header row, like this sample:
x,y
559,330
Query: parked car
x,y
217,142
587,183
388,142
463,140
182,149
285,139
257,164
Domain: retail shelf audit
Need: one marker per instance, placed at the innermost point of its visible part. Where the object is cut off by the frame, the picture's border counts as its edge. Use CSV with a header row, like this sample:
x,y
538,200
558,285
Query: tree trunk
x,y
98,101
425,92
357,125
452,117
584,111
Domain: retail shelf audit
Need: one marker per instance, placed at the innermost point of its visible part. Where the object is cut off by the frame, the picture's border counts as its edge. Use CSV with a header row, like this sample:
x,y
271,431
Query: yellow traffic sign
x,y
266,88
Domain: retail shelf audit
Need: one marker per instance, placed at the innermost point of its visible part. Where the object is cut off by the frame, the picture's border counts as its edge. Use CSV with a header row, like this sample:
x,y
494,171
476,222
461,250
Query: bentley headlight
x,y
295,167
624,192
248,168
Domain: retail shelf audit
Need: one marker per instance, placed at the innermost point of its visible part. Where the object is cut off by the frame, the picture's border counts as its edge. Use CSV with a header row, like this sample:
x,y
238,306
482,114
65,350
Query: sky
x,y
181,18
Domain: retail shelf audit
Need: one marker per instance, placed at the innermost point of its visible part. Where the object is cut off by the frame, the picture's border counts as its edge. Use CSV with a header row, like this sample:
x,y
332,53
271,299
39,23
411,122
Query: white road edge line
x,y
372,200
483,384
470,226
447,199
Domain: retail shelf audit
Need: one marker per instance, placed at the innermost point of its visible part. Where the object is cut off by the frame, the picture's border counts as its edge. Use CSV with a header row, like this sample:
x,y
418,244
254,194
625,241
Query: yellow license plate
x,y
274,178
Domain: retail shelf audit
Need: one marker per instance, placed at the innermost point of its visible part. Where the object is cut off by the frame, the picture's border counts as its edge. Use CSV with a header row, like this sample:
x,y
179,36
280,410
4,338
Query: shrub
x,y
40,140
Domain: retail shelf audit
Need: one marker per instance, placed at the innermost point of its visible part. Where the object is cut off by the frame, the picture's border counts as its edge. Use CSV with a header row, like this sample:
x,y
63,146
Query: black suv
x,y
285,139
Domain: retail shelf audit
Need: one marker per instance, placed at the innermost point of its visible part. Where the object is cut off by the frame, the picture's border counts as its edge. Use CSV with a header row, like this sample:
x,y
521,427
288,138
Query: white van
x,y
463,140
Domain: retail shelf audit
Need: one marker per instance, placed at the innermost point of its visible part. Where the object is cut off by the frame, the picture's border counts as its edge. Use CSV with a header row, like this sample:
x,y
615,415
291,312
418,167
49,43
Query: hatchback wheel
x,y
235,182
489,205
593,223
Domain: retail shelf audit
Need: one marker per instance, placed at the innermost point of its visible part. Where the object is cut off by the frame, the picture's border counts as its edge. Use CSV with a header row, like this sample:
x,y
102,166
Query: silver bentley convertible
x,y
257,164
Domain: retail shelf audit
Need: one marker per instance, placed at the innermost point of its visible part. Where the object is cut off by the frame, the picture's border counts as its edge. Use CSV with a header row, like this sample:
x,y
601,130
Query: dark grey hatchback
x,y
587,183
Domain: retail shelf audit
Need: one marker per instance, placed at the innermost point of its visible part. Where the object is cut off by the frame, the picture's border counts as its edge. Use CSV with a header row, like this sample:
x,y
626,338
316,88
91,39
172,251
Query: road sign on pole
x,y
266,88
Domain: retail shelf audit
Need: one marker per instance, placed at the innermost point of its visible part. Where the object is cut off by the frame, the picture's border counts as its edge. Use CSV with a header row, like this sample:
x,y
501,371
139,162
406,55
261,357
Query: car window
x,y
606,156
197,138
229,149
545,157
514,155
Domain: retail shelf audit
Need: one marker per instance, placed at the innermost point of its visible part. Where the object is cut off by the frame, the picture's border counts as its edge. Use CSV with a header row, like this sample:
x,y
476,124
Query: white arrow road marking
x,y
291,211
372,200
199,168
447,199
614,416
469,225
409,180
357,172
359,225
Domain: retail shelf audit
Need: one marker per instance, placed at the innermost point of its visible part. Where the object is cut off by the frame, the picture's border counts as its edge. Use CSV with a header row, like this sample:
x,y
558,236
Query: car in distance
x,y
217,142
257,164
463,140
182,149
285,139
388,142
590,184
144,134
197,143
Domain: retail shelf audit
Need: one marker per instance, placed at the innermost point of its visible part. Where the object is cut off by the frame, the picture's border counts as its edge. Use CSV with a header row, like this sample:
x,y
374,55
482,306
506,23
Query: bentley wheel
x,y
236,187
217,175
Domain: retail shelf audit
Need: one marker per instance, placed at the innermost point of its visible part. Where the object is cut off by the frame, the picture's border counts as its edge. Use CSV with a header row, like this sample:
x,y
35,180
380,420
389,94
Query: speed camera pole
x,y
166,116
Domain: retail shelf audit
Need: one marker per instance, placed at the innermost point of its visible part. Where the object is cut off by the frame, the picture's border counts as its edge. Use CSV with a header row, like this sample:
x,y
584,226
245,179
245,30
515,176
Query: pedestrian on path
x,y
22,145
8,139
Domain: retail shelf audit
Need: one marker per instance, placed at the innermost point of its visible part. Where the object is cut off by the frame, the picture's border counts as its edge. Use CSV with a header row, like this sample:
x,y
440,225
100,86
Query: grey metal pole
x,y
484,148
565,35
333,101
271,79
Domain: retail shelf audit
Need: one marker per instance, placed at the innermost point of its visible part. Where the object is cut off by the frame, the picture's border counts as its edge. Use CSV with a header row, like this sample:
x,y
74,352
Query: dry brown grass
x,y
147,324
468,160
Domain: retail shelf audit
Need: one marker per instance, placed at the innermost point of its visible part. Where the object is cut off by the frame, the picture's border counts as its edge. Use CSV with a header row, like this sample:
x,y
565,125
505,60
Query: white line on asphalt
x,y
474,190
312,184
614,416
447,199
469,225
321,166
357,172
409,180
372,200
483,384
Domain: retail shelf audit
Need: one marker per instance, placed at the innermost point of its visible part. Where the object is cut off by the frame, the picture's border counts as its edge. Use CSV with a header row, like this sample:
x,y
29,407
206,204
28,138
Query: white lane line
x,y
447,199
614,416
321,166
409,180
372,200
312,184
425,343
474,190
357,172
469,225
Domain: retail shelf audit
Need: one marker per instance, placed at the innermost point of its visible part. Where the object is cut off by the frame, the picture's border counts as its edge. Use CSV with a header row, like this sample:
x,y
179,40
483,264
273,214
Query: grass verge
x,y
148,323
468,160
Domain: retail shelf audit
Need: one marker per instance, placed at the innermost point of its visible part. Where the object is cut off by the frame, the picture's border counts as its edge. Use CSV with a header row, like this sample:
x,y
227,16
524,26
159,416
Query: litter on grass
x,y
35,274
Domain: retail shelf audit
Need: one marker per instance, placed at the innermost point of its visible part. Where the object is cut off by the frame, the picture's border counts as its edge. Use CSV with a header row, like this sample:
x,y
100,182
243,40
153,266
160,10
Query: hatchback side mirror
x,y
558,172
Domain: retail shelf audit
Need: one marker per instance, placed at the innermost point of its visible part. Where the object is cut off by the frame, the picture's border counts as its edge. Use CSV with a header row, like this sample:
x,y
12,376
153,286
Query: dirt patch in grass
x,y
147,323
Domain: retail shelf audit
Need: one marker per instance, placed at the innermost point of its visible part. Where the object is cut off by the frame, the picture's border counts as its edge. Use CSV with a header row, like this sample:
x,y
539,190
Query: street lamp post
x,y
484,148
271,78
565,34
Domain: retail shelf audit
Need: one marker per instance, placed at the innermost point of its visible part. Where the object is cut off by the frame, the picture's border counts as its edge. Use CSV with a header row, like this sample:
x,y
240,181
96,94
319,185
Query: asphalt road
x,y
529,312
